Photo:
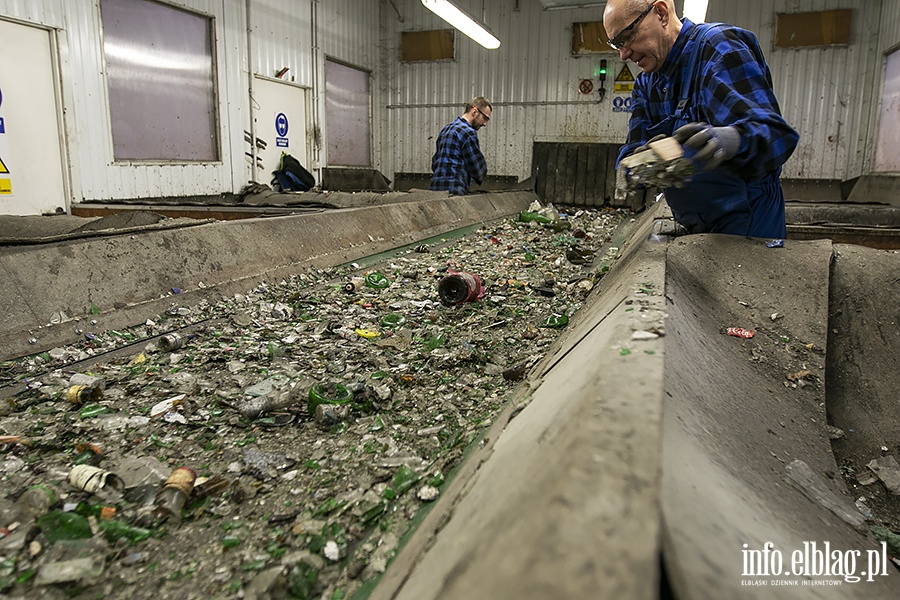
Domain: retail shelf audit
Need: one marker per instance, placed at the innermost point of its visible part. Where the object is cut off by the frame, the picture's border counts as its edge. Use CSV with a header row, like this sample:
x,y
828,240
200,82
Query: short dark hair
x,y
480,102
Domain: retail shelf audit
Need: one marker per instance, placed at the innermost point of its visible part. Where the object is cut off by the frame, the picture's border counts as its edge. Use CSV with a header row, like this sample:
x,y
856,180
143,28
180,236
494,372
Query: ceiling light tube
x,y
460,20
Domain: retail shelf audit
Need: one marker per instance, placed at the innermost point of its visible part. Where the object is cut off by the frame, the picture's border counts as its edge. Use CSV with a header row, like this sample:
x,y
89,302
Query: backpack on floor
x,y
291,176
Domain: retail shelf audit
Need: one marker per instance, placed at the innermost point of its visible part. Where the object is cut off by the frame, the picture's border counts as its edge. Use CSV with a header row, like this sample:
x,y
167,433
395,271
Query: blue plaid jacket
x,y
734,87
458,159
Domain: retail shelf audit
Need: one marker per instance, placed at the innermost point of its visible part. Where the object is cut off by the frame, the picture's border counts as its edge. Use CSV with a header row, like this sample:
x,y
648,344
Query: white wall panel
x,y
283,34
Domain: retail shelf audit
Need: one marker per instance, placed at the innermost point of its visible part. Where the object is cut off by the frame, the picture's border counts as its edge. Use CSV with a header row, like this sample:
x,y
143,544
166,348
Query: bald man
x,y
708,85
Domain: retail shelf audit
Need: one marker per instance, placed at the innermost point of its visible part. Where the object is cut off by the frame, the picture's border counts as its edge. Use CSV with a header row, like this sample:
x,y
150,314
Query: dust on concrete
x,y
864,371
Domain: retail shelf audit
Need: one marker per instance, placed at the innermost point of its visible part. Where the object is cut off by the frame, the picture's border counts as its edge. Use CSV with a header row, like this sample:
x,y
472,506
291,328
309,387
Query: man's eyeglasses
x,y
623,37
486,118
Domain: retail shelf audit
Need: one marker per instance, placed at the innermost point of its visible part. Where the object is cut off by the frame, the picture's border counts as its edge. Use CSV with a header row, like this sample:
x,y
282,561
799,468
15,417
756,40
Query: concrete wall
x,y
129,278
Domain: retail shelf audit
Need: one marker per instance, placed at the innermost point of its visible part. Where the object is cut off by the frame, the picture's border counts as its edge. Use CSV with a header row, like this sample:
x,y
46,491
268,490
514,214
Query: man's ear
x,y
662,10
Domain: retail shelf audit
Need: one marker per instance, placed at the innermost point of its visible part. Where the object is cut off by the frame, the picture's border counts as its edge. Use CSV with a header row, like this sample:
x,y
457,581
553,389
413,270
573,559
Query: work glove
x,y
712,145
646,146
623,187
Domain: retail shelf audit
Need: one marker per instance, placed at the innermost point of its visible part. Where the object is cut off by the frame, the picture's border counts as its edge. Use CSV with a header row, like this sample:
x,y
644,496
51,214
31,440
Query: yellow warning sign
x,y
5,186
624,83
3,168
625,74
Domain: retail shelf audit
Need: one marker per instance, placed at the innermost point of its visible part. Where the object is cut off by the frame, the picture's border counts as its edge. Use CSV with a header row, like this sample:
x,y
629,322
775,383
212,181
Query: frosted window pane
x,y
159,69
347,115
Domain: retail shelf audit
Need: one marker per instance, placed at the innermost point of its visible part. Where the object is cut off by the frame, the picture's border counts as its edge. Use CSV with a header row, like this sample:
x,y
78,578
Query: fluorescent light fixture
x,y
695,10
459,19
570,4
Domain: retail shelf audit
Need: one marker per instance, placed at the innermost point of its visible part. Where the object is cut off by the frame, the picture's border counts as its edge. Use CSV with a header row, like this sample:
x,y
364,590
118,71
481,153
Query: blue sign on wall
x,y
281,128
621,104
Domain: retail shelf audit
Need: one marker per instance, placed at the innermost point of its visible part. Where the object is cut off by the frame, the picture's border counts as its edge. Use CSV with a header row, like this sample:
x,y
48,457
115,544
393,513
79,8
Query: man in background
x,y
458,160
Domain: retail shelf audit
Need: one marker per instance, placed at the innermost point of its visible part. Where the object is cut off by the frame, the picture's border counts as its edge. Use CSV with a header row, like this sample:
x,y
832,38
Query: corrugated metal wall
x,y
48,13
890,25
350,33
532,81
283,38
829,94
825,93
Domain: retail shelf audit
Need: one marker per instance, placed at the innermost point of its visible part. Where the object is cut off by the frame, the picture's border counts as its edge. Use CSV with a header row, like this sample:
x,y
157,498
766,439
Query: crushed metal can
x,y
354,285
740,332
327,415
459,287
80,394
170,342
95,480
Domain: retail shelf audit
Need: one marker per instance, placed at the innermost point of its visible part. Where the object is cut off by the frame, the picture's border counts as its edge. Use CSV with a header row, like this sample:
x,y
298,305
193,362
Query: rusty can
x,y
177,489
79,394
460,287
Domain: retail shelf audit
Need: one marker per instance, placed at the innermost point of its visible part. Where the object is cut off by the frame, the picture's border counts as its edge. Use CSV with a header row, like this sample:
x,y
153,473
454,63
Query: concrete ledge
x,y
129,278
884,189
562,501
734,421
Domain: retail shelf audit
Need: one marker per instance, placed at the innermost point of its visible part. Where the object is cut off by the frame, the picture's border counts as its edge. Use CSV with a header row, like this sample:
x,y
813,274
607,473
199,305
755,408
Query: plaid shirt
x,y
458,159
733,87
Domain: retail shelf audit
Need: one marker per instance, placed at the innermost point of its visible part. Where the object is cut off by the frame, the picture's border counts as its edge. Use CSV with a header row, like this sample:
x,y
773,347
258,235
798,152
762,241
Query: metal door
x,y
31,151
